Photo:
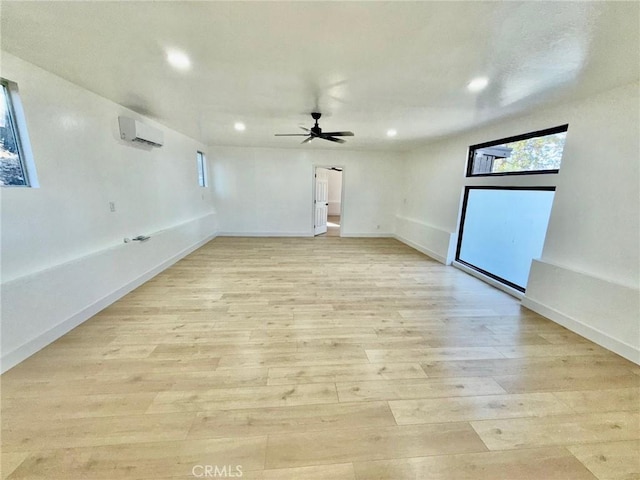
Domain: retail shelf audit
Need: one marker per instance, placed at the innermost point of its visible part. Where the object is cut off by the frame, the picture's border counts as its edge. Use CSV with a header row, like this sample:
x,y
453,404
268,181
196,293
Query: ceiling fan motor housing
x,y
316,132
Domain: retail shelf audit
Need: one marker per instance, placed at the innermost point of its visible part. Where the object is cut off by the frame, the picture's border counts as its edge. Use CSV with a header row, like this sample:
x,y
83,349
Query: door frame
x,y
313,194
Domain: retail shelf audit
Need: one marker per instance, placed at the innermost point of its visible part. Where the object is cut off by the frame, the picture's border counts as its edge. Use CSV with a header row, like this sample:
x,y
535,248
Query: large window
x,y
502,229
16,166
536,152
504,220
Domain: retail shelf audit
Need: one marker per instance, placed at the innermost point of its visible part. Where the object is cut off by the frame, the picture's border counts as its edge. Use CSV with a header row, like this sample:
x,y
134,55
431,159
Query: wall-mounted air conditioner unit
x,y
136,131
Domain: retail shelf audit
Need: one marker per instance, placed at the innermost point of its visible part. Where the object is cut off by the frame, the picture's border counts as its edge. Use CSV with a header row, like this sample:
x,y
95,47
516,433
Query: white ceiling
x,y
367,66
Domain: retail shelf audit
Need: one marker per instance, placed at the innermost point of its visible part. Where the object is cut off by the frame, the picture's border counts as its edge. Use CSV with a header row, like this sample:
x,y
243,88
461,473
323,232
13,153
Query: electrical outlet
x,y
112,206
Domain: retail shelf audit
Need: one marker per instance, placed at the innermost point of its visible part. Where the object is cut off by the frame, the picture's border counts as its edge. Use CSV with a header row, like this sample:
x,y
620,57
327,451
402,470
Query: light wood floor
x,y
326,358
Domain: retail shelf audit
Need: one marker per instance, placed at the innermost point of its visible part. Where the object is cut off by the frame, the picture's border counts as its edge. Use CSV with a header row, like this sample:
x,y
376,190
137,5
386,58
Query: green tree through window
x,y
539,153
529,153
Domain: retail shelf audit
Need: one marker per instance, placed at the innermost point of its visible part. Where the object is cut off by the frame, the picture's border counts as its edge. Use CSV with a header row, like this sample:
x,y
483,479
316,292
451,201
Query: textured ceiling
x,y
367,66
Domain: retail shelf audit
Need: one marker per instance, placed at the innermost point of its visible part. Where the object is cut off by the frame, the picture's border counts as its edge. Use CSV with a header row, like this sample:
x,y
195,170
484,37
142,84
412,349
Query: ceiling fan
x,y
316,132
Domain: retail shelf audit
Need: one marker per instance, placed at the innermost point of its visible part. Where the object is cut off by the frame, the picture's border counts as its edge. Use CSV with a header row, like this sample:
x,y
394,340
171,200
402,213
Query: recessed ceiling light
x,y
239,126
478,84
392,133
178,60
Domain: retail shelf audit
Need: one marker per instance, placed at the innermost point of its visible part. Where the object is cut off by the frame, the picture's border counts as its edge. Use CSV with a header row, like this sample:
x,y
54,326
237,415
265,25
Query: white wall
x,y
63,256
335,192
588,276
269,192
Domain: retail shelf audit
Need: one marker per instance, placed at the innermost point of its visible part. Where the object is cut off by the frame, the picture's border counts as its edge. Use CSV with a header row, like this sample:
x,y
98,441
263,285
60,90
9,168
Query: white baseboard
x,y
303,234
600,309
597,336
265,234
421,249
367,235
40,340
433,241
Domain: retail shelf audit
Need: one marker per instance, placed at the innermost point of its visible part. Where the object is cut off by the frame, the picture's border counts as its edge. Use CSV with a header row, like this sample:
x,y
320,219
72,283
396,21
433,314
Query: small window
x,y
202,169
536,152
16,166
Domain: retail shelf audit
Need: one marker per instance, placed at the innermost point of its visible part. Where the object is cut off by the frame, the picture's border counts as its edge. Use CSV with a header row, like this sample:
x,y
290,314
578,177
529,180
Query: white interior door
x,y
321,202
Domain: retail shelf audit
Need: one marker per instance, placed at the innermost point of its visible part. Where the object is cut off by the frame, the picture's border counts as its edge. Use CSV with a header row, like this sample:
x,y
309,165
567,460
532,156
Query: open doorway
x,y
334,220
327,204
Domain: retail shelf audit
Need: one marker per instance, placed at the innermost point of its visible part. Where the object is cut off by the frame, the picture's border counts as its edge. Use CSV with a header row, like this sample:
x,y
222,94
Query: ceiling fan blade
x,y
339,134
316,132
332,139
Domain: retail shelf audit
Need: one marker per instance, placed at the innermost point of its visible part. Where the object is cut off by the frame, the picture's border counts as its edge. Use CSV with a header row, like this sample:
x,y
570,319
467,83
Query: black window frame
x,y
465,200
515,138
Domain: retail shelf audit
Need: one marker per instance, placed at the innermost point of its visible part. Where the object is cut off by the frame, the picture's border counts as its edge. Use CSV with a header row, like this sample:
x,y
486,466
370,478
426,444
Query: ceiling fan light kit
x,y
316,132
